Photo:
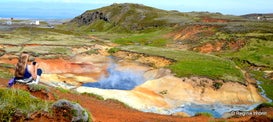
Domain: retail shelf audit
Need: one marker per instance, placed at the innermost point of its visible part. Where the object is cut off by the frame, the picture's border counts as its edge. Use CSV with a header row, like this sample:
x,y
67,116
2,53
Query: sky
x,y
64,9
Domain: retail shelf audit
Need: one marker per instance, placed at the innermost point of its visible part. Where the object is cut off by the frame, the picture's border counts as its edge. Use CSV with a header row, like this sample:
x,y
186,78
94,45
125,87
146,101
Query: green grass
x,y
113,50
34,87
150,39
208,68
63,90
256,51
5,36
194,64
266,83
267,105
60,50
117,101
92,51
204,114
44,30
12,101
217,85
4,73
7,65
98,97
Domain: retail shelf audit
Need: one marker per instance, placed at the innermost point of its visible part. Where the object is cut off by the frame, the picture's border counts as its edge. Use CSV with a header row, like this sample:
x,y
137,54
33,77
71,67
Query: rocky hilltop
x,y
130,17
90,17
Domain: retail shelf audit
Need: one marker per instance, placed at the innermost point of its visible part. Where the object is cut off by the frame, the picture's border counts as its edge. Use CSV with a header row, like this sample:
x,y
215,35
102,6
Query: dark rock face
x,y
89,17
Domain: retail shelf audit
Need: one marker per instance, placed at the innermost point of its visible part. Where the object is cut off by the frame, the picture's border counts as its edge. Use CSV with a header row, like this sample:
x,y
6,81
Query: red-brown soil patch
x,y
42,94
193,32
8,59
32,45
58,65
219,46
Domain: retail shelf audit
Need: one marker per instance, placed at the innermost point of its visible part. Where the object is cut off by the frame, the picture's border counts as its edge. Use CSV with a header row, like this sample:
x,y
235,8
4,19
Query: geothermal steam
x,y
123,80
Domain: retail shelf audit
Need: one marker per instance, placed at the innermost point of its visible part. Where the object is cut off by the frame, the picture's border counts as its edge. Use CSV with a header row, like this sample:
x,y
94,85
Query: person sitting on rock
x,y
24,73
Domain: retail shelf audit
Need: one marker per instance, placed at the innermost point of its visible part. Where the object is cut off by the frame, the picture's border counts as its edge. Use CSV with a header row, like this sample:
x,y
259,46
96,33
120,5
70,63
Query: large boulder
x,y
72,111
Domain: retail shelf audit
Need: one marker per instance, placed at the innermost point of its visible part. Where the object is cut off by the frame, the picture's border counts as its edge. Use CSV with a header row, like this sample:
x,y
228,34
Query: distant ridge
x,y
259,16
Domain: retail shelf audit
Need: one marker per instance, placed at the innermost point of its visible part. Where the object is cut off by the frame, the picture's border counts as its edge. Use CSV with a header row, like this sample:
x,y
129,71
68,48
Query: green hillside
x,y
236,42
133,17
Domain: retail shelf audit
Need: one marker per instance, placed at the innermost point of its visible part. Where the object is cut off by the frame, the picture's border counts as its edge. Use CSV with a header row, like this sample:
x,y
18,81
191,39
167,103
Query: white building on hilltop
x,y
9,22
37,22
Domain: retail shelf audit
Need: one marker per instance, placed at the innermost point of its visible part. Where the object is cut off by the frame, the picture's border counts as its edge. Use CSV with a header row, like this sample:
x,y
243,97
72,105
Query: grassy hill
x,y
133,17
127,18
224,36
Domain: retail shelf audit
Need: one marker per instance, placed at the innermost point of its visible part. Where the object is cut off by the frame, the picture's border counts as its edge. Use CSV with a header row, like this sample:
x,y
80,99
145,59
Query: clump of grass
x,y
5,74
266,83
35,54
34,87
13,101
113,50
267,105
56,96
217,85
204,114
7,65
98,97
90,52
90,117
63,90
163,92
60,50
117,101
5,36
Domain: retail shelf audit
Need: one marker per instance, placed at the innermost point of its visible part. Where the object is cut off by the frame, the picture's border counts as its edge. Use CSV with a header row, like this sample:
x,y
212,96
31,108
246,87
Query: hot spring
x,y
116,79
128,79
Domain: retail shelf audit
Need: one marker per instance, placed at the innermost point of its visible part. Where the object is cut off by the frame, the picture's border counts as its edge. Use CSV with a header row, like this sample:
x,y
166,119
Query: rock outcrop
x,y
89,17
73,111
202,90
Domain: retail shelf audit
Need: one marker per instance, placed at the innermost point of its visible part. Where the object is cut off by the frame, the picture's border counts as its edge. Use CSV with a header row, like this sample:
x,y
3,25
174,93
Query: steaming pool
x,y
128,80
121,80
